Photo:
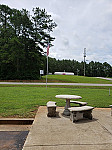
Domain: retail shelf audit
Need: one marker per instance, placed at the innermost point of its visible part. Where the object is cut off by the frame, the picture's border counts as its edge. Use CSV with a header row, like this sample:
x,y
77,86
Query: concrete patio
x,y
59,133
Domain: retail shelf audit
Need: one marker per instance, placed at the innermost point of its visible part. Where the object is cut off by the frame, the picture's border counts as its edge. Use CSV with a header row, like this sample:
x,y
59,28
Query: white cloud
x,y
84,23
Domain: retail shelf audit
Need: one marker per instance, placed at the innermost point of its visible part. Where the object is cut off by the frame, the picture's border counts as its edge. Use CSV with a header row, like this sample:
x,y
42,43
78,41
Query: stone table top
x,y
68,96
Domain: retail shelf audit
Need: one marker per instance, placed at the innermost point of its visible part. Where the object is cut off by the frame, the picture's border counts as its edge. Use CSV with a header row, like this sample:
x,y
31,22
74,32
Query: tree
x,y
107,69
22,40
42,26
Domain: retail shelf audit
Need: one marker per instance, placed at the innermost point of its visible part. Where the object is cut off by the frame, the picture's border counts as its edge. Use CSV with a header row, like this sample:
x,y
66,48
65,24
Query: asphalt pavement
x,y
78,84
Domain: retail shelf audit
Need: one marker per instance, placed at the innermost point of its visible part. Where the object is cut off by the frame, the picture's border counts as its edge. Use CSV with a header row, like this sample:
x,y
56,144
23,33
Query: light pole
x,y
84,59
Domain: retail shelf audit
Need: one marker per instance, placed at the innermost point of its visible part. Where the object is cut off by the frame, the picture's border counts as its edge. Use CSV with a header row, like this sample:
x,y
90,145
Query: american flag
x,y
48,49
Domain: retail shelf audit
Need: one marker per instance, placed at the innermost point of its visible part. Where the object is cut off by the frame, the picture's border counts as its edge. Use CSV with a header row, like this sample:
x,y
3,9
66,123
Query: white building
x,y
64,73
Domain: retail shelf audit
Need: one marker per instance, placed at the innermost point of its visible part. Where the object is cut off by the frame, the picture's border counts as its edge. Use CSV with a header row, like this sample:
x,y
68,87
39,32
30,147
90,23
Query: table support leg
x,y
66,111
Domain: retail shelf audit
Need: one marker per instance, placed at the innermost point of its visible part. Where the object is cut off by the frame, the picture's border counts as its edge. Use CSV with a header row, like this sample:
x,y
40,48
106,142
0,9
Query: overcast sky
x,y
81,24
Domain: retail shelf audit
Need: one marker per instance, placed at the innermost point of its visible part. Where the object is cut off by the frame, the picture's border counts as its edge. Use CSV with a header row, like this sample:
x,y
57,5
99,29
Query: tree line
x,y
92,69
23,38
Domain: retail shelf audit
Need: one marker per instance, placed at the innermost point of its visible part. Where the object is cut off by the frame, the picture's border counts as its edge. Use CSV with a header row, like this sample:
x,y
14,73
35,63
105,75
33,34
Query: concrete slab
x,y
15,124
59,132
15,127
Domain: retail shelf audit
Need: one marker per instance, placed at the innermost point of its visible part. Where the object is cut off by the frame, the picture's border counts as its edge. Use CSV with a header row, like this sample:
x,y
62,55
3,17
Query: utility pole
x,y
84,59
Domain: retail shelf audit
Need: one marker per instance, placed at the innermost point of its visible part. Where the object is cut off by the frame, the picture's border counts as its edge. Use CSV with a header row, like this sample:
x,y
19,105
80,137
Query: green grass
x,y
22,101
67,79
75,79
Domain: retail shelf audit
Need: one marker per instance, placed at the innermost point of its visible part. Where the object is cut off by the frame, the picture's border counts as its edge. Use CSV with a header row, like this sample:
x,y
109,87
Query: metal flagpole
x,y
47,63
47,72
84,59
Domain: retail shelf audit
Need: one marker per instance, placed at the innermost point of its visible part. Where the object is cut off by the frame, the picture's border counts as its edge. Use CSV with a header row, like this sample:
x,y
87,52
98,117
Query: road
x,y
105,78
78,84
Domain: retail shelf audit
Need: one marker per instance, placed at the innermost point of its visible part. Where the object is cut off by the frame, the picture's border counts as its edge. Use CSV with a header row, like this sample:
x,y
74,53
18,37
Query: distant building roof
x,y
64,73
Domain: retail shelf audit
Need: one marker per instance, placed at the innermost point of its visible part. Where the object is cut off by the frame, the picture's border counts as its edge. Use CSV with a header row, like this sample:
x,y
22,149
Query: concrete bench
x,y
77,113
51,107
111,109
78,102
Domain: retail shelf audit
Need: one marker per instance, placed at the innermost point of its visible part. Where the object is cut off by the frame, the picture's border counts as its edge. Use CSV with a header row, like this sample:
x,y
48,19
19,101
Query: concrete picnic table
x,y
68,98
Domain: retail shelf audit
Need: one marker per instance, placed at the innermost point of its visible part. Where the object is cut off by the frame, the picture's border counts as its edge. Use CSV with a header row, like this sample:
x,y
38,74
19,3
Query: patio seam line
x,y
104,128
68,144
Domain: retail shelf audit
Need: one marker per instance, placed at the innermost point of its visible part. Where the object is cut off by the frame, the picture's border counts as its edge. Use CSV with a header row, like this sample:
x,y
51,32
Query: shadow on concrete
x,y
84,120
57,116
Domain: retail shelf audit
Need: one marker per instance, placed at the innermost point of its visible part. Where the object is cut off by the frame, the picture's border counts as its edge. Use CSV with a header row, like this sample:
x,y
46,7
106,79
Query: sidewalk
x,y
59,133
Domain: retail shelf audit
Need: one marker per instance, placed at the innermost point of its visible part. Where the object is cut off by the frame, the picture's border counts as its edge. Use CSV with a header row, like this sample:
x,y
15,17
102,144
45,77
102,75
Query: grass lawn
x,y
75,79
22,101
